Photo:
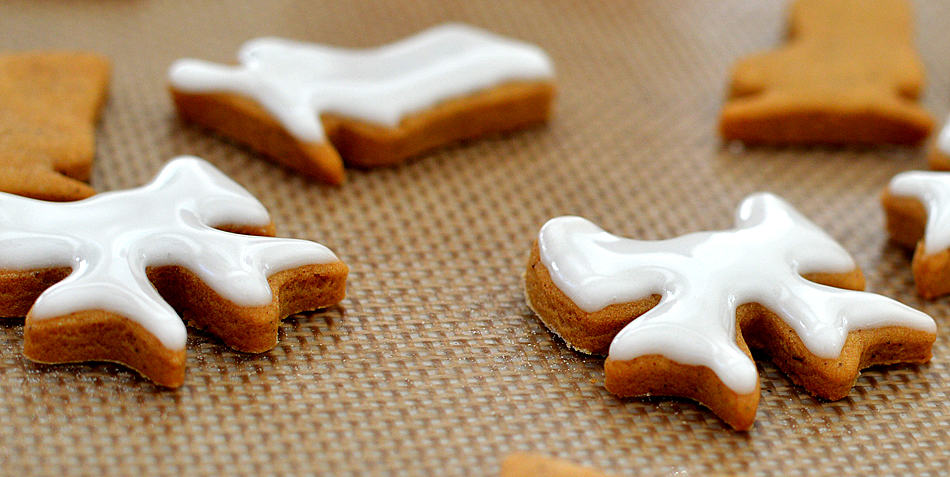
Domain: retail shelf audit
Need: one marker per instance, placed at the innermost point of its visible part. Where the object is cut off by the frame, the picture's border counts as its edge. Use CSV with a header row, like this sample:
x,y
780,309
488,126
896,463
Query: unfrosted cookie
x,y
523,464
105,278
917,207
849,74
306,105
677,317
49,104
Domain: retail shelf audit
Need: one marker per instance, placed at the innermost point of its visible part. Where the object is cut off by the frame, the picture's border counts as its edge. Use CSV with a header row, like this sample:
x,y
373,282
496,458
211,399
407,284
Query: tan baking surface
x,y
434,365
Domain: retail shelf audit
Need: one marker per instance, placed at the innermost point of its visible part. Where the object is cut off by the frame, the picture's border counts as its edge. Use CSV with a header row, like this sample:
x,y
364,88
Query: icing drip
x,y
704,277
296,82
933,190
109,239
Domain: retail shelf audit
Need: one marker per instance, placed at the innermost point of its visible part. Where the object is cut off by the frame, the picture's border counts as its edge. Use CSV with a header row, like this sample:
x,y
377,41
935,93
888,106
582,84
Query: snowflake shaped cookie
x,y
917,206
679,316
305,105
101,279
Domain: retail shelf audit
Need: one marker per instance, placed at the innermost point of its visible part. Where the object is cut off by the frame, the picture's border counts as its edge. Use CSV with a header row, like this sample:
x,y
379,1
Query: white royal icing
x,y
296,82
933,190
943,140
109,240
703,277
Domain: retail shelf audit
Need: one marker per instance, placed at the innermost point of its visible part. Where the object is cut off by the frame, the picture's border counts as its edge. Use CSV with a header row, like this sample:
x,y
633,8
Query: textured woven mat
x,y
433,365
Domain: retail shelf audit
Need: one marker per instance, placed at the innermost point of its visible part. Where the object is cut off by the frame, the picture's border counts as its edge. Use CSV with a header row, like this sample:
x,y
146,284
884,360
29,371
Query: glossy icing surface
x,y
704,277
933,190
109,240
296,82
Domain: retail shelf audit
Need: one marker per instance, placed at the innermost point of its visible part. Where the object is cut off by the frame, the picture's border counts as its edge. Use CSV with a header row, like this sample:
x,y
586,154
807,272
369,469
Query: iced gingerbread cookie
x,y
105,278
523,464
939,158
849,74
49,104
306,105
677,317
917,207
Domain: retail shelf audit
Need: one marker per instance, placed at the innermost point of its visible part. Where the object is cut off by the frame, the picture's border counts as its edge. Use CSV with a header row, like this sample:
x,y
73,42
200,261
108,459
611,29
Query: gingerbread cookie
x,y
101,279
939,158
523,464
917,207
849,74
49,104
678,317
306,105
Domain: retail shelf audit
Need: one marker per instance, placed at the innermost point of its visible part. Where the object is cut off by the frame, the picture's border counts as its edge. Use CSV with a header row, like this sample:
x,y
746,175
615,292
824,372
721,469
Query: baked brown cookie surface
x,y
49,104
111,278
312,108
849,74
678,317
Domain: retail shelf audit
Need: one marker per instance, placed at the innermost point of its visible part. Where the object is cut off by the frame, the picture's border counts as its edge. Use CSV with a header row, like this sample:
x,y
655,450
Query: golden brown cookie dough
x,y
849,74
49,104
98,335
362,144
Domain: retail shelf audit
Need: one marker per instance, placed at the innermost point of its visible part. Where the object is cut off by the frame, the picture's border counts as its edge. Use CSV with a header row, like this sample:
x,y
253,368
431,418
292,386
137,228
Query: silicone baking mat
x,y
433,365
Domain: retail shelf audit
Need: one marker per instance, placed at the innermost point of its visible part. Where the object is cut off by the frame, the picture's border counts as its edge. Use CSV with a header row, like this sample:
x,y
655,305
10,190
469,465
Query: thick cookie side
x,y
906,222
98,335
362,144
499,109
589,333
244,121
250,329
